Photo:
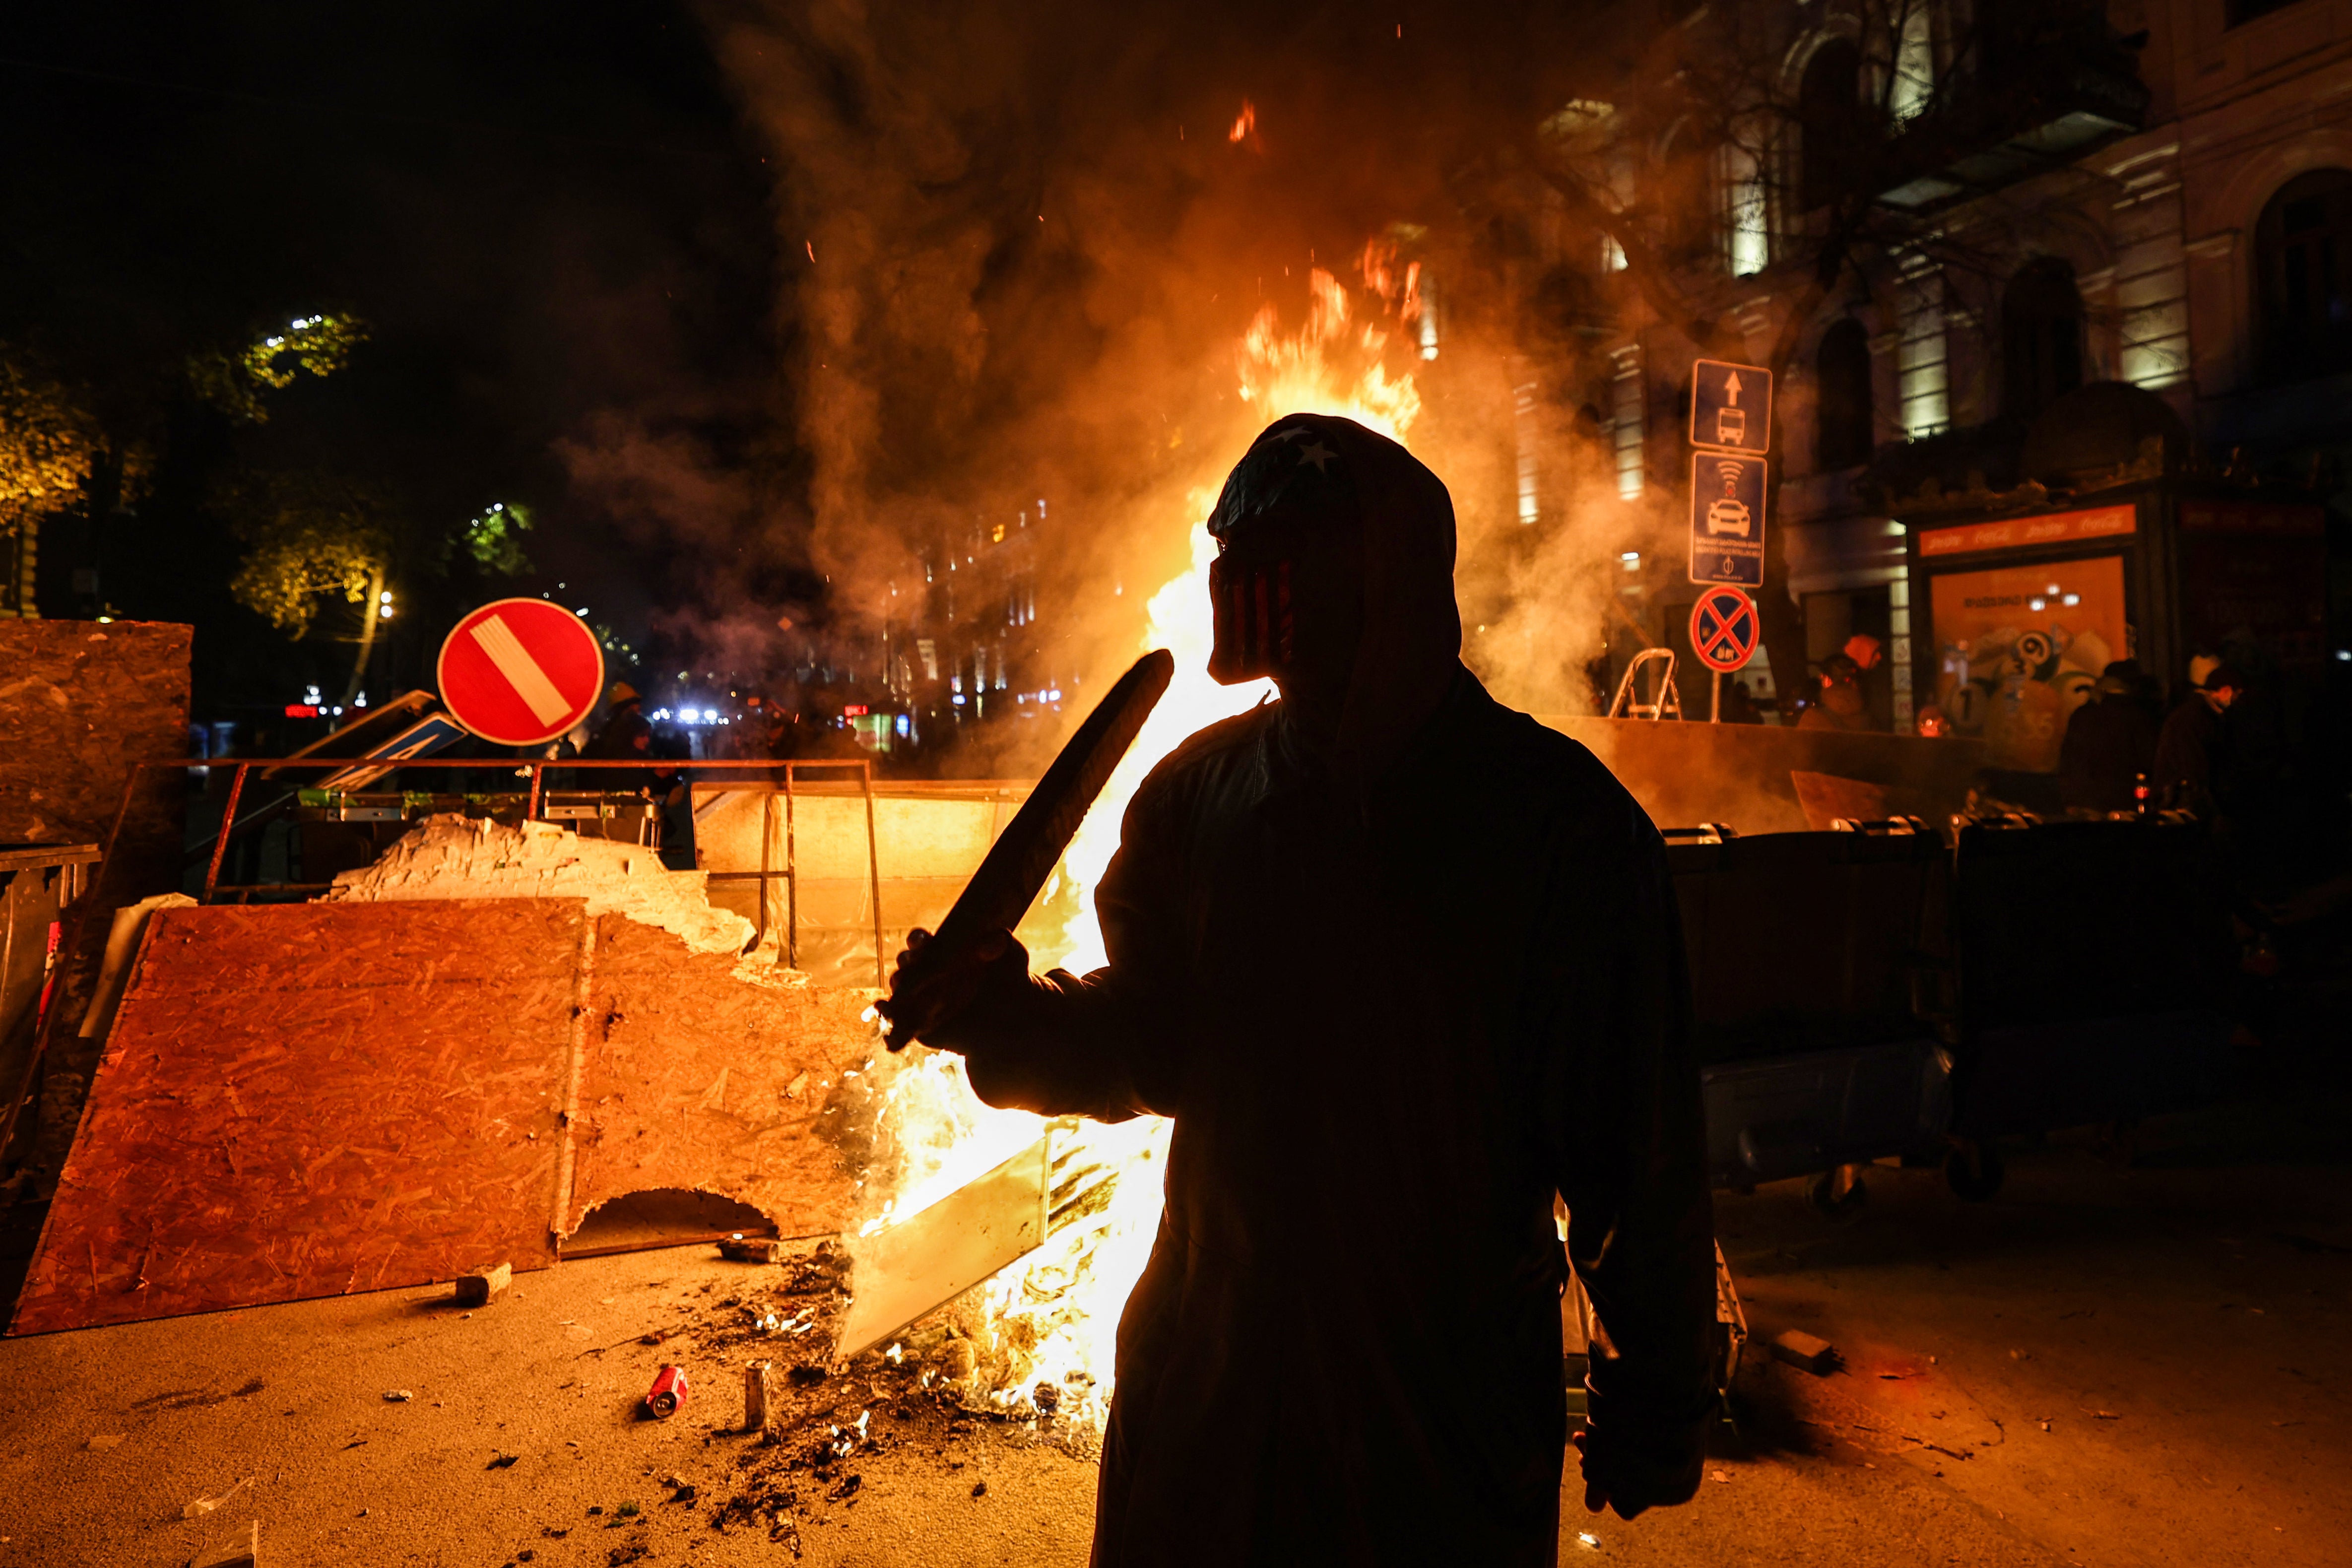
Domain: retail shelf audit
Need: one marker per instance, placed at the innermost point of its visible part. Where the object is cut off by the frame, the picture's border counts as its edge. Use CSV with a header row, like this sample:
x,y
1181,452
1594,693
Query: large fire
x,y
1052,1317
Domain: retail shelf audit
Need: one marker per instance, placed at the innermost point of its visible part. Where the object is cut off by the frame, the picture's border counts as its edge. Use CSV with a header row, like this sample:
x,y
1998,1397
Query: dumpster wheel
x,y
1974,1170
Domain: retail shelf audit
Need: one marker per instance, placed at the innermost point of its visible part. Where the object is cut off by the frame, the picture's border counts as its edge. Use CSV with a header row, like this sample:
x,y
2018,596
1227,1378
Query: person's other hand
x,y
928,990
1622,1488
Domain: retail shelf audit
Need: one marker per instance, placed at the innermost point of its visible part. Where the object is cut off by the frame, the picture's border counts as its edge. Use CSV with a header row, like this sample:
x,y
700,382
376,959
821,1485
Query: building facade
x,y
2007,262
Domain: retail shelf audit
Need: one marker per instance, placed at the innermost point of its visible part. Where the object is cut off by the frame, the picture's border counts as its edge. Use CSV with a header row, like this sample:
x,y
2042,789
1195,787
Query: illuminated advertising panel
x,y
2017,650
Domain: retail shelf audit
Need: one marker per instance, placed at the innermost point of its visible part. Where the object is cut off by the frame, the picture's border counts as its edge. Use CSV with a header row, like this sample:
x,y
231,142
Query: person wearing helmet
x,y
627,734
1401,964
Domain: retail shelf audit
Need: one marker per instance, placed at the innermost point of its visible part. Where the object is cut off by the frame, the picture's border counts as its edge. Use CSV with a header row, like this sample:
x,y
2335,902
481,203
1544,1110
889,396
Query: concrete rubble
x,y
455,857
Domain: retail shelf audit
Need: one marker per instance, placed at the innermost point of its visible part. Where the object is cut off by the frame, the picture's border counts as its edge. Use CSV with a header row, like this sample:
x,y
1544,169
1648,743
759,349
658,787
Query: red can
x,y
668,1392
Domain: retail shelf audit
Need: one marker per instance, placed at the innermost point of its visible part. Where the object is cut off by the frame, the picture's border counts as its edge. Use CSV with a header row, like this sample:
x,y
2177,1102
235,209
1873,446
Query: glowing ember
x,y
1054,1315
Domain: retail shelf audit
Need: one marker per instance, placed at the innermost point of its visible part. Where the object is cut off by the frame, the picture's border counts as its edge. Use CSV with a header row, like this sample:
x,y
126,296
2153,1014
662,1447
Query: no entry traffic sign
x,y
1723,629
520,671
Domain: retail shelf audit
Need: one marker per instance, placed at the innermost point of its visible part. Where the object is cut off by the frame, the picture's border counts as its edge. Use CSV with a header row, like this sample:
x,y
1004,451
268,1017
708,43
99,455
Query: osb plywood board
x,y
79,702
695,1078
303,1100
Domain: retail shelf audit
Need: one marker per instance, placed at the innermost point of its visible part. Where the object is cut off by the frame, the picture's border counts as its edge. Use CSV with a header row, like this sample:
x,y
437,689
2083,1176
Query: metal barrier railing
x,y
788,771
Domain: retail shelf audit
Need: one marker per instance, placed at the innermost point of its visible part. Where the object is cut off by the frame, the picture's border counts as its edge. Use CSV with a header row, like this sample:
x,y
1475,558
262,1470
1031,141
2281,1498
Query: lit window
x,y
1915,64
1922,367
1625,433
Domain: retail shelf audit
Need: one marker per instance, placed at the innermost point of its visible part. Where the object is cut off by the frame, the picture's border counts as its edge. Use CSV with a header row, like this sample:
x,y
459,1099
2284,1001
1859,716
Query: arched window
x,y
1842,366
2304,260
2040,337
1832,121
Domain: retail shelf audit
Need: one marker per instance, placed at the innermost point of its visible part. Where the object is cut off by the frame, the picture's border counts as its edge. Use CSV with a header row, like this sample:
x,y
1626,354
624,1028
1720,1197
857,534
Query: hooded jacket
x,y
1395,993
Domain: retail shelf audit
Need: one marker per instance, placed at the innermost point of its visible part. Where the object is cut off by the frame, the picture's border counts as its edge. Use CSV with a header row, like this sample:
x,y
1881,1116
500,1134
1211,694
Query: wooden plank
x,y
306,1099
694,1079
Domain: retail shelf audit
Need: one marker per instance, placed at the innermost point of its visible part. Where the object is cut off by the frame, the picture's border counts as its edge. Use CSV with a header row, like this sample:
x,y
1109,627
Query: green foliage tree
x,y
310,535
493,540
236,381
51,447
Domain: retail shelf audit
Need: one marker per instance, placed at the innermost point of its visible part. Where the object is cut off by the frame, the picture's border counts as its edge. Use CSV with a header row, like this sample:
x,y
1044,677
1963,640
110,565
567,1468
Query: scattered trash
x,y
1801,1350
476,1288
241,1550
979,1488
502,1462
397,1395
2021,1355
685,1492
742,1248
106,1440
2045,1425
755,1395
1723,1476
629,1510
668,1392
1589,1541
204,1505
595,1509
2105,1415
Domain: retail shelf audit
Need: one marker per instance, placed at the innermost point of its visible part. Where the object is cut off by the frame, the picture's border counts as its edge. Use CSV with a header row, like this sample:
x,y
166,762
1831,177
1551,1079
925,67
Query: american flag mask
x,y
1254,626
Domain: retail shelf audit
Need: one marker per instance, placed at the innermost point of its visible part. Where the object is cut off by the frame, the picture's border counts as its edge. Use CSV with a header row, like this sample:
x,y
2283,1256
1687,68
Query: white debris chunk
x,y
454,857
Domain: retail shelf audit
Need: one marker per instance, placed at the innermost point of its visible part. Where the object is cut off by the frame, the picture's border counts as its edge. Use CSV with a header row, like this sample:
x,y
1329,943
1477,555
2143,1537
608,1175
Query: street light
x,y
384,604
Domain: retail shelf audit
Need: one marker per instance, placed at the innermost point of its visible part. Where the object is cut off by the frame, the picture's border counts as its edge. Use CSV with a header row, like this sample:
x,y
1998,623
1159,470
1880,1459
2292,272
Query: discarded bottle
x,y
755,1395
668,1392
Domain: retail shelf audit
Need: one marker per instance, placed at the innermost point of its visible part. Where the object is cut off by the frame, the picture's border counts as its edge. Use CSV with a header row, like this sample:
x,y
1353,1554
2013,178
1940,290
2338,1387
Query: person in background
x,y
673,794
2110,743
627,734
1739,706
1839,705
2190,751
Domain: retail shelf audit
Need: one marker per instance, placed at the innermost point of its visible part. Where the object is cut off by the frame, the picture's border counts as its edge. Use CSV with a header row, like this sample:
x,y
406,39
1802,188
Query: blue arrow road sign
x,y
1731,406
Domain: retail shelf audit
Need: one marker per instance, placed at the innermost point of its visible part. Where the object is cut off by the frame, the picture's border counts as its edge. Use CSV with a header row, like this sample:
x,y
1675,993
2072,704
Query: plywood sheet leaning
x,y
305,1100
696,1077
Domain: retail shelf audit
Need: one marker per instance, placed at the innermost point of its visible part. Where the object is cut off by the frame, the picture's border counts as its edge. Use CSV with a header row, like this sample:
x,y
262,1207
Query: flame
x,y
1245,124
1054,1315
1306,372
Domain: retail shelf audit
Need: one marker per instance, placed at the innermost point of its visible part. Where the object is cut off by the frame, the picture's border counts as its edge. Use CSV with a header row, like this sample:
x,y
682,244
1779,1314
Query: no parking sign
x,y
1724,630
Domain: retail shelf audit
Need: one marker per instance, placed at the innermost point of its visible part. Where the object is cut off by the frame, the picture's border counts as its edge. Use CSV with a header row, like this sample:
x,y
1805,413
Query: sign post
x,y
519,672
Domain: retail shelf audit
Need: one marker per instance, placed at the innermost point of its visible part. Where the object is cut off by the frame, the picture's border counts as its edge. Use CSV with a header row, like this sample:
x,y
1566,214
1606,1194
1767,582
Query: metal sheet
x,y
932,1256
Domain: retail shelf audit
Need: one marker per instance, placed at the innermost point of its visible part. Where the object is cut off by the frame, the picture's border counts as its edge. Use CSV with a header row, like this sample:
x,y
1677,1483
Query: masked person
x,y
1401,963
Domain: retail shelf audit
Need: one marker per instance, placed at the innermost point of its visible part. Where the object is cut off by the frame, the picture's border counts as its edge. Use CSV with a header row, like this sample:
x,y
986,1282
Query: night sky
x,y
585,280
547,215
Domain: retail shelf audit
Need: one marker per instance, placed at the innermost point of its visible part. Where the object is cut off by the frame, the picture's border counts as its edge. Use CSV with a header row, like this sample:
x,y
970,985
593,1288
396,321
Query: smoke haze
x,y
1022,243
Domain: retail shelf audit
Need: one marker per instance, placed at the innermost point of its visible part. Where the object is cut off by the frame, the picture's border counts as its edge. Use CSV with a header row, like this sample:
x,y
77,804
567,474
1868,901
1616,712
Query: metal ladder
x,y
1667,703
